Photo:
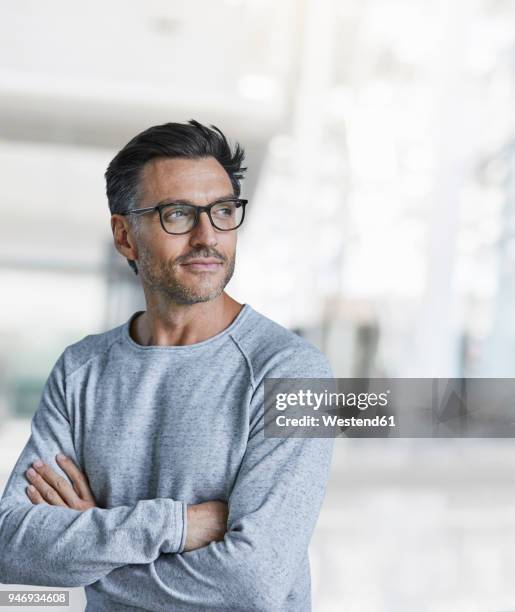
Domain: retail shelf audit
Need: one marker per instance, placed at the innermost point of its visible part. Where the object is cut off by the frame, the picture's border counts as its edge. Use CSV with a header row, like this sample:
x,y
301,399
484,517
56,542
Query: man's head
x,y
167,163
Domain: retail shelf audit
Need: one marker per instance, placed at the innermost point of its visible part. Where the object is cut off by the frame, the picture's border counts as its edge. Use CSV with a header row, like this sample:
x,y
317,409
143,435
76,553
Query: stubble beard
x,y
160,277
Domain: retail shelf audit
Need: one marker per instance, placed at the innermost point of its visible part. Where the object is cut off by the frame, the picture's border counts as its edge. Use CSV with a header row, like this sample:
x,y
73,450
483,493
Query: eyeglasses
x,y
178,218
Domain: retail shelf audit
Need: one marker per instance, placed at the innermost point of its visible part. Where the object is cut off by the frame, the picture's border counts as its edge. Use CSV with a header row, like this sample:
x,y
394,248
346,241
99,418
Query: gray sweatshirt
x,y
156,428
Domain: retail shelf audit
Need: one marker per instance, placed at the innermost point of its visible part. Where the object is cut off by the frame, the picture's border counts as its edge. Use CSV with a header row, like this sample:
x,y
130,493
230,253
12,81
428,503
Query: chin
x,y
198,299
206,294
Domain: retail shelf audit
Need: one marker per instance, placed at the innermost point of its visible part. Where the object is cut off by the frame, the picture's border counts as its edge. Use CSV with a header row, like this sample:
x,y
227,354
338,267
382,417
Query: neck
x,y
180,325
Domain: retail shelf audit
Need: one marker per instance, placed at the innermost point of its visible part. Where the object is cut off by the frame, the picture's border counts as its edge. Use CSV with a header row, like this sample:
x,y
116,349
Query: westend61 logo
x,y
309,398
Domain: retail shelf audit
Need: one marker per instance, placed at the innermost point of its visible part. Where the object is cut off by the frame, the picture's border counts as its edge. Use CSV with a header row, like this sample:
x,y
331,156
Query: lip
x,y
203,264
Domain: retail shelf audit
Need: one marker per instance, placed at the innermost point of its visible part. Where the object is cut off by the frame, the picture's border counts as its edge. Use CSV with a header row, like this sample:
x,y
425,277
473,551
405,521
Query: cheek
x,y
166,248
228,245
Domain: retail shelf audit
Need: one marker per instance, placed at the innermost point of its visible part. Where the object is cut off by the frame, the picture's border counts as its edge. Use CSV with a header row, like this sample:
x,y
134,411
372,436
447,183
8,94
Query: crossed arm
x,y
57,545
206,522
140,554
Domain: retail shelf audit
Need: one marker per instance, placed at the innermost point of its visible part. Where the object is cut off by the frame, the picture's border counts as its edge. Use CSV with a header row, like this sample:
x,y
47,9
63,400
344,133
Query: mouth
x,y
206,265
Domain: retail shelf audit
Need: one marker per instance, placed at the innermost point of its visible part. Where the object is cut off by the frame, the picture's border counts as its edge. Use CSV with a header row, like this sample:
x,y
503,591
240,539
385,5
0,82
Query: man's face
x,y
163,258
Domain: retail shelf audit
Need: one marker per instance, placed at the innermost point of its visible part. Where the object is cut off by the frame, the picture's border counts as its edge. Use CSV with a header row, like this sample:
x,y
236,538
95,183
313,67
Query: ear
x,y
123,237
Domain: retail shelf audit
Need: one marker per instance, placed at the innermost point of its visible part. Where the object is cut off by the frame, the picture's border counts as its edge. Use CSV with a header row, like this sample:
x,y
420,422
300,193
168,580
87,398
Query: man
x,y
170,497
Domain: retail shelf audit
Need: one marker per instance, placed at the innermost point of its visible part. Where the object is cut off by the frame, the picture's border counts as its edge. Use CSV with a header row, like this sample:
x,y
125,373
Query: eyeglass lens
x,y
178,218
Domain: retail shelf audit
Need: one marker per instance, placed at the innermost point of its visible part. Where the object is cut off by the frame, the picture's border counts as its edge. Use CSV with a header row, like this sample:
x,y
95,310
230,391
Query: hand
x,y
55,490
207,522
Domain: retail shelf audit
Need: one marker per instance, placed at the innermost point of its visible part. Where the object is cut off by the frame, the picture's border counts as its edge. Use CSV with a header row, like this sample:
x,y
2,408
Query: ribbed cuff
x,y
184,526
175,525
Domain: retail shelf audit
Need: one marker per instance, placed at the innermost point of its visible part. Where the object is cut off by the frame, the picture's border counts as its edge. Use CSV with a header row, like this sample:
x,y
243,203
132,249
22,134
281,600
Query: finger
x,y
47,492
34,495
79,479
59,484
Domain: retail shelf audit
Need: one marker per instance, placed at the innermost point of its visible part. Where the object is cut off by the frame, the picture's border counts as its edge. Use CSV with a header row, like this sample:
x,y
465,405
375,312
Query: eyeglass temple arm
x,y
139,211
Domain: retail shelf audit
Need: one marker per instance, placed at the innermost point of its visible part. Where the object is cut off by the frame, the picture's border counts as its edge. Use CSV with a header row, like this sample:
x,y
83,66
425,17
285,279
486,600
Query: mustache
x,y
198,255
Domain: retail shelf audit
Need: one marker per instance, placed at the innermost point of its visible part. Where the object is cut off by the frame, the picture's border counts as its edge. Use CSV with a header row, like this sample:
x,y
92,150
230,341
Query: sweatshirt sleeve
x,y
273,509
47,545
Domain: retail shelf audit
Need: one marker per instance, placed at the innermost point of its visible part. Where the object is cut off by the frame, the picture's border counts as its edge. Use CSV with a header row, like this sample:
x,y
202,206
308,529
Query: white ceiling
x,y
93,72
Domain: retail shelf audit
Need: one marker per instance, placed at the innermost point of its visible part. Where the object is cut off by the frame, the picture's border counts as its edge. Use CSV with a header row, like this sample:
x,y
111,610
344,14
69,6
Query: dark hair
x,y
190,140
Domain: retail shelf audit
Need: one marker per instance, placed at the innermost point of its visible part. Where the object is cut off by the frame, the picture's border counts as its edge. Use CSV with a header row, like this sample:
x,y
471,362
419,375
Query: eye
x,y
176,213
224,209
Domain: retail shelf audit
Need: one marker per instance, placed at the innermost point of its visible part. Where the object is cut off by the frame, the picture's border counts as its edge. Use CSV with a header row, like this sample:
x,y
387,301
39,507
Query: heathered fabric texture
x,y
156,428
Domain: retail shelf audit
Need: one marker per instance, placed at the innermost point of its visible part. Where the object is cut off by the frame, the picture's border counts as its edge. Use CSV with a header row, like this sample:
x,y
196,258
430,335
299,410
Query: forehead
x,y
198,180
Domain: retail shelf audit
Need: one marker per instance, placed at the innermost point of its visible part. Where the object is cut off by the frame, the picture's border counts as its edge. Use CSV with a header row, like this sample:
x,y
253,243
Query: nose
x,y
203,232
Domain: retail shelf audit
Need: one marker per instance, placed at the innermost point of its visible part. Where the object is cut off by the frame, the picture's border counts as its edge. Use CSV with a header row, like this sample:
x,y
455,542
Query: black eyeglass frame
x,y
198,210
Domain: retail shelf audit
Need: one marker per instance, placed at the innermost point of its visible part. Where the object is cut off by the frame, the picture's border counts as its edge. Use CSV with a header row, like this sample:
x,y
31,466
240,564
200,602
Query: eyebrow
x,y
228,196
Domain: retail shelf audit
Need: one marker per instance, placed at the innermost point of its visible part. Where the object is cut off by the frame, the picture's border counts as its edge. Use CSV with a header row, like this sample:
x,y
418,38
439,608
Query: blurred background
x,y
380,142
